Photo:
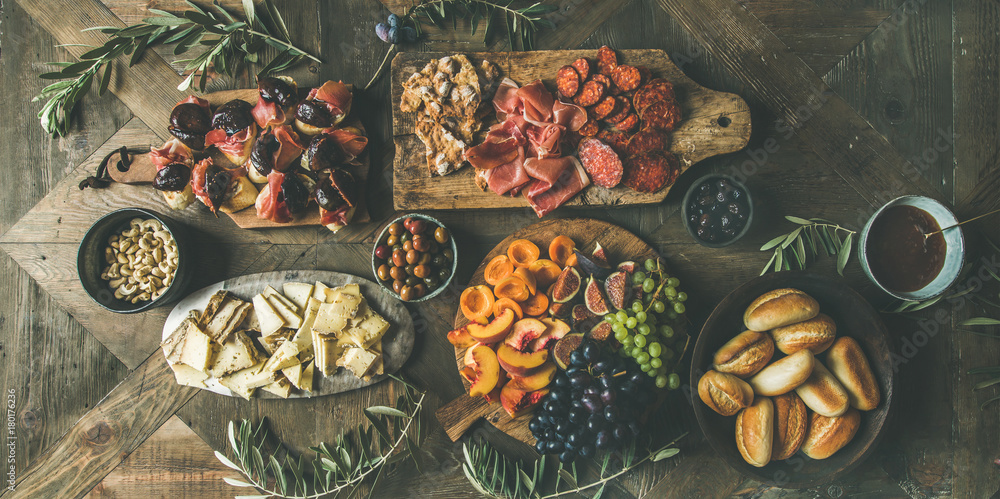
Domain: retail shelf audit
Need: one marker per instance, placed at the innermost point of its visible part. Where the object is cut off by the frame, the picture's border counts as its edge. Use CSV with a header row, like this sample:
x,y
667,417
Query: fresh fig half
x,y
564,347
600,256
628,266
589,267
593,297
618,289
567,285
583,318
559,309
600,332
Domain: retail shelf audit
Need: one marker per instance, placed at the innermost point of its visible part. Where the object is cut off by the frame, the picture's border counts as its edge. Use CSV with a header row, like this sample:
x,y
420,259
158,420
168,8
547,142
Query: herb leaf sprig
x,y
806,242
392,436
230,45
494,475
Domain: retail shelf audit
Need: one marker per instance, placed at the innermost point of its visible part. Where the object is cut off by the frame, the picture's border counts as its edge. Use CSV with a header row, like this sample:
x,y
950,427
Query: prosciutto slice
x,y
269,204
172,151
544,196
545,140
336,96
231,145
537,103
569,115
506,100
353,143
508,177
504,142
269,113
289,147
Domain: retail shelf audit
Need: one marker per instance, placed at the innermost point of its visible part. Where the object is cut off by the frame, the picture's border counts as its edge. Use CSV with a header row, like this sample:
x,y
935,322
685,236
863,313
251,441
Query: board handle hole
x,y
724,121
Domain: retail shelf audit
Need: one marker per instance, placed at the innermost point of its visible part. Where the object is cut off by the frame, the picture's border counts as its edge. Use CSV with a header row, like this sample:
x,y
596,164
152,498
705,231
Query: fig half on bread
x,y
233,130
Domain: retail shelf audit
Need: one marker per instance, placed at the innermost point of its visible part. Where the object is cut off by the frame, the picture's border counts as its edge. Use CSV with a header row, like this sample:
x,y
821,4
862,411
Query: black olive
x,y
173,177
262,152
323,153
233,117
277,90
295,193
315,114
189,122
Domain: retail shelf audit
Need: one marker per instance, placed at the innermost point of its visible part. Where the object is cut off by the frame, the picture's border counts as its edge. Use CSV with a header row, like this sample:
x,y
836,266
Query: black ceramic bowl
x,y
854,318
90,260
692,195
387,285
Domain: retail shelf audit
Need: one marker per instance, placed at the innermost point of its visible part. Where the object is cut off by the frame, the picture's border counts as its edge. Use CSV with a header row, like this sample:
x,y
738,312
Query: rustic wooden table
x,y
854,102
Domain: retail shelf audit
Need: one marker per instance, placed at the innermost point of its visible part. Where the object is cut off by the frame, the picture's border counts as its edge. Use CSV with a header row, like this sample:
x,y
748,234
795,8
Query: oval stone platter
x,y
397,344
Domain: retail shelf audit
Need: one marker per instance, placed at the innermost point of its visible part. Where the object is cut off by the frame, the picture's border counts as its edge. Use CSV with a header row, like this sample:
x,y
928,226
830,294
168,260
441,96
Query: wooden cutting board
x,y
142,170
458,415
713,123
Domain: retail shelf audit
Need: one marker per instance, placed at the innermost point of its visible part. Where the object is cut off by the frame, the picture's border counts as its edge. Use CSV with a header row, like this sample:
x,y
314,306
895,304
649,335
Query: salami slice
x,y
603,108
626,78
601,162
589,129
656,90
567,81
609,86
622,109
617,140
582,66
664,114
651,171
607,60
629,124
646,140
590,94
645,73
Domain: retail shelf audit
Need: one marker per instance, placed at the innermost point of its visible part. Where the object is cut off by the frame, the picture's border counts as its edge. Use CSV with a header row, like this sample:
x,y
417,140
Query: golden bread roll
x,y
745,354
780,307
755,432
791,423
783,375
848,363
724,393
244,195
816,334
823,393
829,435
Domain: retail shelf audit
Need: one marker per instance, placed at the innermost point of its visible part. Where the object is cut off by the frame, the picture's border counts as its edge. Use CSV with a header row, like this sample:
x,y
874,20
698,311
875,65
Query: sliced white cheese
x,y
188,345
327,350
271,293
281,388
358,360
238,381
348,300
306,381
269,320
272,342
235,354
367,331
285,356
298,292
319,291
188,376
331,318
293,373
290,317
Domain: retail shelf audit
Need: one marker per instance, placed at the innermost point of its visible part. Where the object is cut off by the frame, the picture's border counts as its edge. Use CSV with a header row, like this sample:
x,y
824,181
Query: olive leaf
x,y
802,245
358,456
216,29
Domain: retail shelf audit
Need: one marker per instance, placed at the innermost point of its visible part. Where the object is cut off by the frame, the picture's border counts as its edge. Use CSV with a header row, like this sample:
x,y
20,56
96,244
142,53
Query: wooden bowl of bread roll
x,y
793,379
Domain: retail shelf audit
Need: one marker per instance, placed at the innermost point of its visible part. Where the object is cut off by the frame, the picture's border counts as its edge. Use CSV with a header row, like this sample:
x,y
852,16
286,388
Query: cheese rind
x,y
235,354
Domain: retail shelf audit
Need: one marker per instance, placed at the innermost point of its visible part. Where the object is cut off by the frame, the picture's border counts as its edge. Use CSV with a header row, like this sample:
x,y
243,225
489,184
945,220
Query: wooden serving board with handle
x,y
713,123
458,415
141,170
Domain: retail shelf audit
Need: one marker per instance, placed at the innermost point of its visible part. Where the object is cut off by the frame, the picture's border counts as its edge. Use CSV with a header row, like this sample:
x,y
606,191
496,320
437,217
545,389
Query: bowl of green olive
x,y
414,257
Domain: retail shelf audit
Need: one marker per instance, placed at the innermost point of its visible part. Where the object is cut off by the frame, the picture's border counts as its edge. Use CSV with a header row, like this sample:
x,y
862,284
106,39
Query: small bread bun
x,y
816,334
780,307
724,393
178,200
848,364
242,157
244,195
823,393
791,423
755,432
829,435
744,355
783,375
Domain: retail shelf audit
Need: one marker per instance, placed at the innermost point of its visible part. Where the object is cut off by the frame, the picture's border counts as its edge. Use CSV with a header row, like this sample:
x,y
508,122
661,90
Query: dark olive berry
x,y
277,90
173,177
233,117
315,114
295,193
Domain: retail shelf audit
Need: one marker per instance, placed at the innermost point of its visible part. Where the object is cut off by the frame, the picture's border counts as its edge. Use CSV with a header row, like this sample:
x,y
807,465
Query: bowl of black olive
x,y
414,257
717,210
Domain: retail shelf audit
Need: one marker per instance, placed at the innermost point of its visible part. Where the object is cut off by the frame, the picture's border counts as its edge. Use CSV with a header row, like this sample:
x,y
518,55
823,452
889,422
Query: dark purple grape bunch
x,y
592,405
392,32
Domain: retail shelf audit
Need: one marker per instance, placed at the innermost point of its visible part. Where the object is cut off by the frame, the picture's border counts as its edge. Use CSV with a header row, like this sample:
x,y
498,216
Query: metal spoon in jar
x,y
929,234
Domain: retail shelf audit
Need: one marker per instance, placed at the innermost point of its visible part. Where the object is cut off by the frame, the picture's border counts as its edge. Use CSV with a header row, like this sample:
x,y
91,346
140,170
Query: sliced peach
x,y
498,269
486,371
517,402
523,333
536,381
505,303
496,330
520,363
494,395
468,360
525,275
554,330
460,338
545,271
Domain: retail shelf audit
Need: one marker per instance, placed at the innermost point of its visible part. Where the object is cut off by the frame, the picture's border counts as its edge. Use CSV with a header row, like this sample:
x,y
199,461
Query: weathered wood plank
x,y
107,434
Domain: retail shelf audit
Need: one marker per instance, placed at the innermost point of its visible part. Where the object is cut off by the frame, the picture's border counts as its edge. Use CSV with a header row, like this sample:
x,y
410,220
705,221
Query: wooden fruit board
x,y
713,123
142,170
458,415
397,344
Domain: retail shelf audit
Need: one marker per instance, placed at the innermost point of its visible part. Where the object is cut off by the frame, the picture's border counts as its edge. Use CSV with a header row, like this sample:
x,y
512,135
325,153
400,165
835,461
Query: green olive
x,y
412,256
443,274
406,293
441,235
397,273
432,281
409,269
421,271
406,237
392,240
449,254
438,260
425,259
412,281
397,286
383,272
396,229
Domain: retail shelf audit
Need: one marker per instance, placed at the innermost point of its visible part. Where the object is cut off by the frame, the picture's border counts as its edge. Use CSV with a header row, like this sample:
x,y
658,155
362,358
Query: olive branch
x,y
230,44
340,467
804,244
493,474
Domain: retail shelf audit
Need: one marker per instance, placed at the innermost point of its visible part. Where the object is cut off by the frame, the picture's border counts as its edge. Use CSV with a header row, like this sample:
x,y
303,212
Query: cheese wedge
x,y
285,356
379,367
319,291
290,316
349,300
269,293
230,313
367,331
188,376
327,350
358,360
272,342
238,382
332,318
269,320
189,345
306,381
293,373
281,388
236,354
298,292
